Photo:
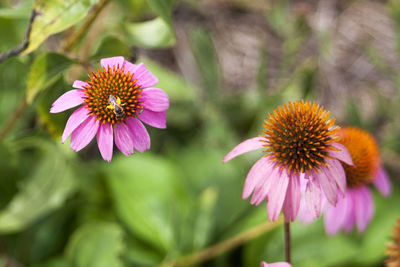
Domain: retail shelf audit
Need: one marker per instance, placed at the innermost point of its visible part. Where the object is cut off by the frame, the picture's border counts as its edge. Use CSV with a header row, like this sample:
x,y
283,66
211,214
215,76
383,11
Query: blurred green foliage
x,y
61,208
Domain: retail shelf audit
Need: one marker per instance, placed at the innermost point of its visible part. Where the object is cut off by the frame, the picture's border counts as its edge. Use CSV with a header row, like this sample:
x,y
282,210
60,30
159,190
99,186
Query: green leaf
x,y
45,189
172,83
110,46
206,58
163,8
45,70
96,244
54,122
148,197
55,16
21,11
156,33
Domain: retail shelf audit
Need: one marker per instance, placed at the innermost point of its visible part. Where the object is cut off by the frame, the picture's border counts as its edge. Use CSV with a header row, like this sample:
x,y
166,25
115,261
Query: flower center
x,y
125,93
364,152
299,136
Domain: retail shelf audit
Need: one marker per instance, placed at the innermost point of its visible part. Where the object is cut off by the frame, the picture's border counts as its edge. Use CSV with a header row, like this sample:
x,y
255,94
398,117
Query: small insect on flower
x,y
393,248
300,144
116,106
114,102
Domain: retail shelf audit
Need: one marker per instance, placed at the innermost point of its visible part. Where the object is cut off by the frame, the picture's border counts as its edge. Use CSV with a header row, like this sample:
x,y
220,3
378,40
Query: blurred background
x,y
224,64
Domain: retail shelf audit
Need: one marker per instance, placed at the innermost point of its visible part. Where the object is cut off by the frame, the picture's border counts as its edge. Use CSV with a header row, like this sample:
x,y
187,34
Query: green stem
x,y
287,241
217,249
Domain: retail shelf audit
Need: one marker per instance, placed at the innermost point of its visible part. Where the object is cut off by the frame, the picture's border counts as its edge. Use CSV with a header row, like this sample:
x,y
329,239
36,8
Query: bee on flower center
x,y
116,106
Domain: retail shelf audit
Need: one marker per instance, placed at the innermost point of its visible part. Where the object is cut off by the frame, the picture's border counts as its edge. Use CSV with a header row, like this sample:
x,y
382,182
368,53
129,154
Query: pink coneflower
x,y
357,206
276,264
300,143
118,98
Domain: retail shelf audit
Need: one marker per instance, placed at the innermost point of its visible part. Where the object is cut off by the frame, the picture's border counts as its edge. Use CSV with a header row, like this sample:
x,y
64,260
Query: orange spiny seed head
x,y
393,248
364,152
111,81
298,136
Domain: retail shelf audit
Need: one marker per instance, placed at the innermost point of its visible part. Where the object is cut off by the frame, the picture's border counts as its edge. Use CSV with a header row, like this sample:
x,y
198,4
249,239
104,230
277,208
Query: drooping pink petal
x,y
363,207
154,99
342,155
277,196
304,215
276,264
68,100
292,200
336,172
336,217
350,217
76,118
257,173
262,188
144,77
328,185
84,133
79,84
244,147
382,182
105,141
112,61
313,197
155,119
123,138
140,136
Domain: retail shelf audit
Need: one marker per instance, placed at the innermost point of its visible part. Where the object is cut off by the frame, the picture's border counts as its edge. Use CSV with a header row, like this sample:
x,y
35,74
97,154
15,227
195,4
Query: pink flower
x,y
114,103
276,264
300,144
356,208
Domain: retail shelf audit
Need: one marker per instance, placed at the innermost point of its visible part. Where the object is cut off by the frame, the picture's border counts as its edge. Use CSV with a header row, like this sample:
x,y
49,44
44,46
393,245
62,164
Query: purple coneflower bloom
x,y
114,103
301,143
357,206
276,264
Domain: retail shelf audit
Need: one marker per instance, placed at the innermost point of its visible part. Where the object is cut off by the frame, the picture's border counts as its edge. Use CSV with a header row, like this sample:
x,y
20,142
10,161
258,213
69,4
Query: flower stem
x,y
215,250
287,241
19,111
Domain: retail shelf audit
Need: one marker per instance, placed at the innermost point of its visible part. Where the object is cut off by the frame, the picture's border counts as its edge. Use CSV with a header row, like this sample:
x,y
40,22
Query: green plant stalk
x,y
217,249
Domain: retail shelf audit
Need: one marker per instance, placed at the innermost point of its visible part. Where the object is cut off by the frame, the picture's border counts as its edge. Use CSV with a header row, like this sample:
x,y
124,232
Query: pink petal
x,y
79,84
257,173
84,133
76,118
139,134
277,196
336,217
363,206
68,100
313,197
154,99
304,215
129,67
292,201
244,147
123,138
155,119
328,185
276,264
144,77
382,182
267,183
350,217
336,172
112,61
342,155
105,141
